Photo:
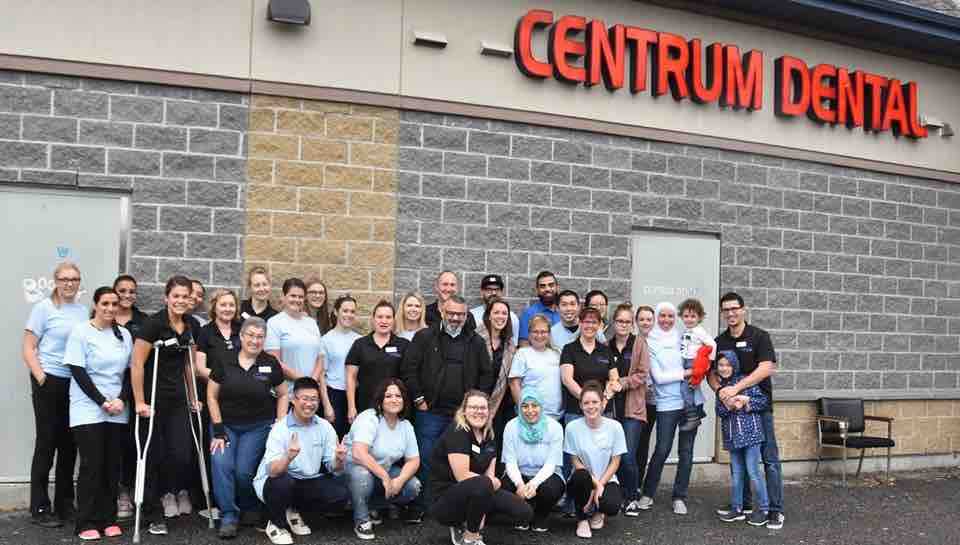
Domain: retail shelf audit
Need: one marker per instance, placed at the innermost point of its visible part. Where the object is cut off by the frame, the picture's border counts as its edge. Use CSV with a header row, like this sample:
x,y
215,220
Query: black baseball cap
x,y
491,280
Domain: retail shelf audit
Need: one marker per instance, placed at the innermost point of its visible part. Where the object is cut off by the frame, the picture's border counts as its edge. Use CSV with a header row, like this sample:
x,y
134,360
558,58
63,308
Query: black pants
x,y
470,500
548,493
326,493
51,411
580,486
170,466
338,398
643,449
101,450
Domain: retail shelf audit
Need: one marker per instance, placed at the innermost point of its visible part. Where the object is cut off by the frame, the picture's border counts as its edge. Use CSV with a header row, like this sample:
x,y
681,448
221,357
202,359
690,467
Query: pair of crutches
x,y
142,450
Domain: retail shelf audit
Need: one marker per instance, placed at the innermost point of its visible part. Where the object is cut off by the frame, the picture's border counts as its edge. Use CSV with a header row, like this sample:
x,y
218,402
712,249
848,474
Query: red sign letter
x,y
605,54
820,90
523,43
642,40
916,129
705,80
743,90
850,98
873,102
895,110
792,82
671,68
560,47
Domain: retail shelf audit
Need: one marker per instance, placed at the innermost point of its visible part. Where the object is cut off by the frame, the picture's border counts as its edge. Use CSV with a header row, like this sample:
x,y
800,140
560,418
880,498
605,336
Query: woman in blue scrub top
x,y
333,351
44,341
293,337
98,353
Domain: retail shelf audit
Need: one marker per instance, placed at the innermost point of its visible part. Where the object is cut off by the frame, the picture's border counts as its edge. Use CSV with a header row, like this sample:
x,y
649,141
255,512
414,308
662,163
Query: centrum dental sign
x,y
588,52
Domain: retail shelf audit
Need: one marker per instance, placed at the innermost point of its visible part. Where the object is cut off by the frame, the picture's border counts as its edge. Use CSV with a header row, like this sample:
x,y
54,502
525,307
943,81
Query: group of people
x,y
442,410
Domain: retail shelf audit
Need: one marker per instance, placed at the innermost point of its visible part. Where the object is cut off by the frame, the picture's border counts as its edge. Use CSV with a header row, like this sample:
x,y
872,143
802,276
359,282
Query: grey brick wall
x,y
181,152
855,273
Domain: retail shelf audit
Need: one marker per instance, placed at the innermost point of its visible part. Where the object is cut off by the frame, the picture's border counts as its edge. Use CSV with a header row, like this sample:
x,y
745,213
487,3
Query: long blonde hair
x,y
217,295
62,266
546,321
402,320
460,417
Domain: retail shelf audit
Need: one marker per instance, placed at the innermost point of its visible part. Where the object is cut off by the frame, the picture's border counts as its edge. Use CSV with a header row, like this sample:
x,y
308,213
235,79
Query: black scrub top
x,y
586,367
246,397
458,441
622,361
218,348
171,360
137,319
374,365
246,311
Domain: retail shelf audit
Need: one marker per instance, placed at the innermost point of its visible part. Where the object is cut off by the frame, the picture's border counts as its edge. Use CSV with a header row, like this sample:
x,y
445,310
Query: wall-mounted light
x,y
933,123
495,50
429,39
291,12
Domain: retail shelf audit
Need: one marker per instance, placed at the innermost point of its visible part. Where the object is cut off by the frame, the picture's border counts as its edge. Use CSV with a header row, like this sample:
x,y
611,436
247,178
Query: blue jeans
x,y
629,472
747,460
428,427
667,423
233,469
771,466
366,490
689,404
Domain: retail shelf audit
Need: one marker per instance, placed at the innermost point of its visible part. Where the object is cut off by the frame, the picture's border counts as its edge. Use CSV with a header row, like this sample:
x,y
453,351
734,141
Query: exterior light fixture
x,y
291,12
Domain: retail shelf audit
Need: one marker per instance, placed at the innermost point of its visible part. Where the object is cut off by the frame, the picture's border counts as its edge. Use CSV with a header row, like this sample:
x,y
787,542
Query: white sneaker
x,y
124,505
596,521
183,503
583,529
206,514
679,507
170,509
297,526
645,503
456,535
278,536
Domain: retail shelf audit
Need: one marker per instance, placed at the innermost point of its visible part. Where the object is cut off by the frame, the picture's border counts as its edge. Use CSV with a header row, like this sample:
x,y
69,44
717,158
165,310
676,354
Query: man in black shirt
x,y
445,286
758,364
442,362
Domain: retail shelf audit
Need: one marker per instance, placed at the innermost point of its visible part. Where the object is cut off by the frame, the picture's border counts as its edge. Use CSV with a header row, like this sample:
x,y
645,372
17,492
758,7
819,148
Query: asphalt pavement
x,y
910,509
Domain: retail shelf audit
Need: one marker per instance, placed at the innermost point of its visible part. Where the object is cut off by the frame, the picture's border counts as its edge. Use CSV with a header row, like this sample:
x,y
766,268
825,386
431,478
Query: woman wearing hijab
x,y
666,367
533,455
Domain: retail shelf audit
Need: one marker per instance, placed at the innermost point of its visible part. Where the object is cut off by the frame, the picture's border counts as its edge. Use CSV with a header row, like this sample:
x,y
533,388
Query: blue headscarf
x,y
530,433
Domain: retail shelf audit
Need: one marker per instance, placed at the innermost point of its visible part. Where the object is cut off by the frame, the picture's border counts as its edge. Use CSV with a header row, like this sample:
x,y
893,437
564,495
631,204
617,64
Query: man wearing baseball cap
x,y
491,286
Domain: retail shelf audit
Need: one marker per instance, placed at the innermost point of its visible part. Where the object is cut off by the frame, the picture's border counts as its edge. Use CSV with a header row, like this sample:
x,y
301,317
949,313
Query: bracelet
x,y
219,430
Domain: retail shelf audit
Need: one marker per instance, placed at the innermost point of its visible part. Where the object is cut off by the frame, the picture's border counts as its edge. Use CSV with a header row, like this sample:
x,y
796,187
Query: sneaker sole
x,y
157,532
774,526
732,519
631,514
751,523
364,536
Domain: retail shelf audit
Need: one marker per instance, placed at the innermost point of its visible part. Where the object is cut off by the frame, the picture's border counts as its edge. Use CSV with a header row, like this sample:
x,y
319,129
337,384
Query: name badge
x,y
264,369
741,344
244,315
475,449
390,349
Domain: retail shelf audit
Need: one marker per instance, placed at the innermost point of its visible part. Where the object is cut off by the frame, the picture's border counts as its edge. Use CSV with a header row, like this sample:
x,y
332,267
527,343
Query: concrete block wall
x,y
180,151
856,273
322,184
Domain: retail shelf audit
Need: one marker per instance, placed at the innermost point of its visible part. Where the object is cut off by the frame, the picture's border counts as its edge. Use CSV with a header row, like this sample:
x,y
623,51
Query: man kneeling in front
x,y
301,468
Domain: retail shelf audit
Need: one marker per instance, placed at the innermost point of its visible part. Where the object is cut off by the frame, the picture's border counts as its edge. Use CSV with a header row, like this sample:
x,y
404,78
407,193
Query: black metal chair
x,y
838,420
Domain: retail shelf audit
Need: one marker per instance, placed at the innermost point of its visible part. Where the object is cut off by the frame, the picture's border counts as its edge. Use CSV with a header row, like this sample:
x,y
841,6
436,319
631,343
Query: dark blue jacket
x,y
744,427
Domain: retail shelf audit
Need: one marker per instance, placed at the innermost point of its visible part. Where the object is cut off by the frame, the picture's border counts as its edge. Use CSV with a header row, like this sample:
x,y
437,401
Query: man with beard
x,y
442,363
446,285
491,287
547,288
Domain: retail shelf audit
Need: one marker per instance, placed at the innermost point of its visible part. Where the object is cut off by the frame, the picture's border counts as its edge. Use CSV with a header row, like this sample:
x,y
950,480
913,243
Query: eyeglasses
x,y
729,310
309,399
69,280
456,314
254,337
624,322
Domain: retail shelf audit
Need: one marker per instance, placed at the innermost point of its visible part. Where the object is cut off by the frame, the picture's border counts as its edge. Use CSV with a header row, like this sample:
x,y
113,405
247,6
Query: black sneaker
x,y
45,519
364,529
733,516
758,518
412,515
727,509
775,520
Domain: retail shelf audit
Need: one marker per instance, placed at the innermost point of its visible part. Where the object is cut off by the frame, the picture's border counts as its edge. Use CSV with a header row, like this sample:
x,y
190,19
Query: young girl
x,y
694,338
742,430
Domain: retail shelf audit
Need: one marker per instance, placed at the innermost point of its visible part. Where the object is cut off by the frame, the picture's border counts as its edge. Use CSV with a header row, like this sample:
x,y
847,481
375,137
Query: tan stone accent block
x,y
801,410
326,151
886,408
299,174
273,146
386,131
262,120
297,225
345,228
939,407
373,155
320,201
376,111
269,248
382,279
913,408
304,123
268,101
348,177
270,197
326,106
258,223
371,254
331,252
349,128
346,279
280,272
385,181
373,204
260,171
385,231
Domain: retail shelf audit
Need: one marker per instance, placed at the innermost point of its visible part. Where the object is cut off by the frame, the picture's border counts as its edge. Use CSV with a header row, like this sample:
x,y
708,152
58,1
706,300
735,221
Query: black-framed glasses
x,y
728,310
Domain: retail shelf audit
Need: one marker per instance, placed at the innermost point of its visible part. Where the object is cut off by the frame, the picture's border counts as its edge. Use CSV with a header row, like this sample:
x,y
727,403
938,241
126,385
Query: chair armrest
x,y
841,422
878,418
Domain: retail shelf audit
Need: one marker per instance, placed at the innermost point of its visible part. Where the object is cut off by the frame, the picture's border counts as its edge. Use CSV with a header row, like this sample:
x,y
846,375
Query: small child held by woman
x,y
696,346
